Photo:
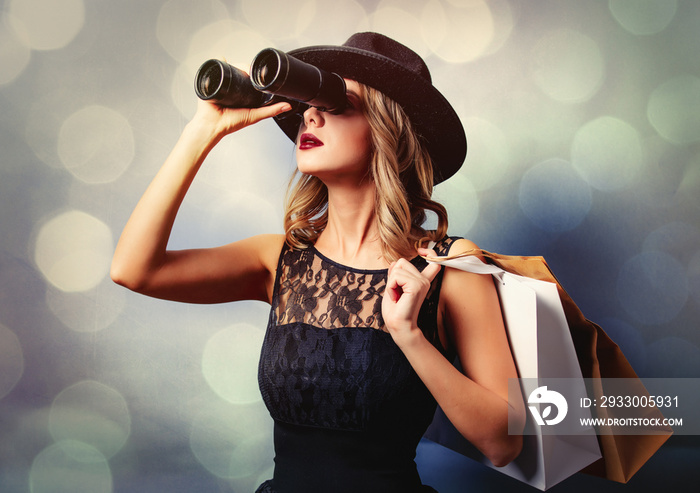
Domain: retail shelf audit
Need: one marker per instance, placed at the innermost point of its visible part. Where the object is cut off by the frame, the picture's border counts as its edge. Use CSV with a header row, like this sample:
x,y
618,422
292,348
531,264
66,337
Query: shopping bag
x,y
598,358
542,348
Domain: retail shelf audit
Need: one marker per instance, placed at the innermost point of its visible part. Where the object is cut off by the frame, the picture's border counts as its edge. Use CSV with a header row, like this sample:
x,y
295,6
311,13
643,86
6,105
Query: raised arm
x,y
476,401
142,262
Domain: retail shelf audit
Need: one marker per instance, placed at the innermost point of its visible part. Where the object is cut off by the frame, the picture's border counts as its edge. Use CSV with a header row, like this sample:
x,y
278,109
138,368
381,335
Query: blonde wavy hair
x,y
402,172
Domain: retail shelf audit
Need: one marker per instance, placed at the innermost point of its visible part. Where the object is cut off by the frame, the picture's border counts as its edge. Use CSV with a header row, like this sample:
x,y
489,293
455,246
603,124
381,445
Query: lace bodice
x,y
314,290
317,291
328,367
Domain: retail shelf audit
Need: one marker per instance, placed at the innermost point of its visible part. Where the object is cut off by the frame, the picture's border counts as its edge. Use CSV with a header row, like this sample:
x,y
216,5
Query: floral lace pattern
x,y
326,360
329,373
317,291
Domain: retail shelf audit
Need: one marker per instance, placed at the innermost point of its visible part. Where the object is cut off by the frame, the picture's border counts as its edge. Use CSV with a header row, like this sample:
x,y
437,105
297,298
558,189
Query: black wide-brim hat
x,y
397,71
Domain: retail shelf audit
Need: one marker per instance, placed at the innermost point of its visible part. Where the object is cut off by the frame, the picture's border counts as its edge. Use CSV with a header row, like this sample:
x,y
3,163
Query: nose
x,y
312,114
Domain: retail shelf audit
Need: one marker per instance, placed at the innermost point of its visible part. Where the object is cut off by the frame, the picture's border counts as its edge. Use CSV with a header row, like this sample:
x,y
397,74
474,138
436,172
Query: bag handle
x,y
474,252
468,262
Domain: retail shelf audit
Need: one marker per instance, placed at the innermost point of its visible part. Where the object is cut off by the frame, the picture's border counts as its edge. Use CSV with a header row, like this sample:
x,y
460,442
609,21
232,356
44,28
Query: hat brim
x,y
430,113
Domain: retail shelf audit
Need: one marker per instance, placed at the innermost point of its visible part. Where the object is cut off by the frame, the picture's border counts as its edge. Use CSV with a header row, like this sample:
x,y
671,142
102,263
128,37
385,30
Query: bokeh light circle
x,y
230,363
554,196
673,357
674,109
232,441
14,55
607,152
96,144
504,21
489,148
652,287
92,413
567,66
457,31
630,341
42,127
462,202
689,187
11,360
74,250
278,19
70,466
47,24
89,311
643,16
239,215
325,23
225,39
676,238
178,16
392,20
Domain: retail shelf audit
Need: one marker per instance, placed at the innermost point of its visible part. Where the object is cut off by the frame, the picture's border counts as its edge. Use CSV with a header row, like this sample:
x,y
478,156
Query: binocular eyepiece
x,y
274,76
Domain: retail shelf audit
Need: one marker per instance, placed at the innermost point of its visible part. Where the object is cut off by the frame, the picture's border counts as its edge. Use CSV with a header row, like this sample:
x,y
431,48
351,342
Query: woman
x,y
362,329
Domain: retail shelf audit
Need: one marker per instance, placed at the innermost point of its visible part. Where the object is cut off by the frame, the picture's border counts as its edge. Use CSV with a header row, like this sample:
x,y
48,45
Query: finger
x,y
257,114
395,293
428,272
426,252
393,289
431,271
408,282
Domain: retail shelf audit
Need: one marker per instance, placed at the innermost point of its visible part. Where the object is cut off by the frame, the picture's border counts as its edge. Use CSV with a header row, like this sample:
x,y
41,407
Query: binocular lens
x,y
210,80
266,69
227,86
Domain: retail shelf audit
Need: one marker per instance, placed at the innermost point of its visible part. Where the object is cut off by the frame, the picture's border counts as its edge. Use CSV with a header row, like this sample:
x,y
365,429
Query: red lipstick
x,y
309,141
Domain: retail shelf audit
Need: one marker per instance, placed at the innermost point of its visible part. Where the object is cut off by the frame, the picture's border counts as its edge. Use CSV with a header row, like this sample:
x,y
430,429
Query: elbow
x,y
499,447
510,443
118,277
121,276
507,451
506,443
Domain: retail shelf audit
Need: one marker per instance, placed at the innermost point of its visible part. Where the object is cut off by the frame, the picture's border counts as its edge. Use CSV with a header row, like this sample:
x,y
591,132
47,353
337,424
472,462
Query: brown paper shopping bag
x,y
542,347
539,314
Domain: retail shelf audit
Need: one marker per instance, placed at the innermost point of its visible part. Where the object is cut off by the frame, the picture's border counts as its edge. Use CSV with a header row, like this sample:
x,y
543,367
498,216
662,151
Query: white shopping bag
x,y
542,347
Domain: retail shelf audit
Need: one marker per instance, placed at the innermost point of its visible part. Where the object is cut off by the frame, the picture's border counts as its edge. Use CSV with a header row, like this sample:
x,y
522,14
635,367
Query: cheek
x,y
364,141
361,150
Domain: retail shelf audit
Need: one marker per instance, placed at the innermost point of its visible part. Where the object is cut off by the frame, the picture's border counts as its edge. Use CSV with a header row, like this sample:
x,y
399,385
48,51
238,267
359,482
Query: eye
x,y
353,104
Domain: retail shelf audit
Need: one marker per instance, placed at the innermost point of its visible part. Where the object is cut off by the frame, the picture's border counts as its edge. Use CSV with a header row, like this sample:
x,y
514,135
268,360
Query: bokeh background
x,y
583,120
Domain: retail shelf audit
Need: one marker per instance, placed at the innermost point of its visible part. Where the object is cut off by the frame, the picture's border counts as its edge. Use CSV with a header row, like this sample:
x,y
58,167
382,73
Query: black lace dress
x,y
348,408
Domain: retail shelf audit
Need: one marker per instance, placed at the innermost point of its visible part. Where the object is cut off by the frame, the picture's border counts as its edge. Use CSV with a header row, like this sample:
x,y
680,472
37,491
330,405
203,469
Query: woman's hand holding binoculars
x,y
219,121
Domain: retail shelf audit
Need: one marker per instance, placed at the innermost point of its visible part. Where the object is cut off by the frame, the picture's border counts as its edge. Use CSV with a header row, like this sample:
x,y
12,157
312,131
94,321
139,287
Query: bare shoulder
x,y
462,245
456,280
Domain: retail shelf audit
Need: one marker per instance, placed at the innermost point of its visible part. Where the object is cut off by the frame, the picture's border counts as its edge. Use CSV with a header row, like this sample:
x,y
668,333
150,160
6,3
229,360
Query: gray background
x,y
583,126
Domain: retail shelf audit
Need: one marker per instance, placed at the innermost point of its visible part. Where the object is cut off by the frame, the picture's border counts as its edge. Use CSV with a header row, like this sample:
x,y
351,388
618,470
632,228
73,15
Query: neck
x,y
351,235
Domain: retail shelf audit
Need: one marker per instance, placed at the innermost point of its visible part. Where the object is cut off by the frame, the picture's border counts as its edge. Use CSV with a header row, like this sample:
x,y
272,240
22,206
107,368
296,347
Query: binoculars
x,y
274,76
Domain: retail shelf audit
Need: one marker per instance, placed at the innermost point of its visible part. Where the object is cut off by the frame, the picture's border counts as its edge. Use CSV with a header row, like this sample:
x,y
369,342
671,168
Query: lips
x,y
309,141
